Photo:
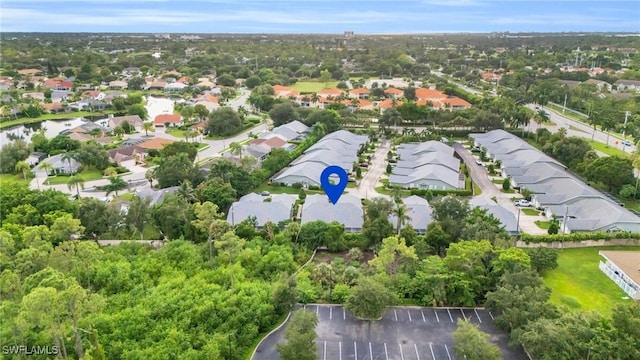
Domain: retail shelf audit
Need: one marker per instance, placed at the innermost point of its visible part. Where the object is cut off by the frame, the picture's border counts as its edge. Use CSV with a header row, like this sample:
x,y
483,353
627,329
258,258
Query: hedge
x,y
423,193
580,236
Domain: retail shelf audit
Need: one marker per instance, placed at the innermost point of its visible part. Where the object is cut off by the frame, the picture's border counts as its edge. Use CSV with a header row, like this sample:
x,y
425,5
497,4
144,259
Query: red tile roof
x,y
425,94
332,92
388,103
155,143
393,91
456,101
359,91
167,118
275,142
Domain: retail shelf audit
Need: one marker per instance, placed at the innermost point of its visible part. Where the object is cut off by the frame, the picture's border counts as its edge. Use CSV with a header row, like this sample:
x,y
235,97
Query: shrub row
x,y
579,237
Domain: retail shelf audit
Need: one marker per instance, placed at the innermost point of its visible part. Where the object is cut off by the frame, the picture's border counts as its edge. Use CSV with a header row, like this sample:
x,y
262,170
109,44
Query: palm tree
x,y
318,130
47,167
70,155
116,183
315,98
187,192
76,181
400,212
147,126
118,131
149,175
236,149
190,133
23,167
562,133
540,117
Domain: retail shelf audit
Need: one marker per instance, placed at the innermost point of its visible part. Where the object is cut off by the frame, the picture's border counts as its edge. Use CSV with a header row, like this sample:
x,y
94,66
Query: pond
x,y
51,129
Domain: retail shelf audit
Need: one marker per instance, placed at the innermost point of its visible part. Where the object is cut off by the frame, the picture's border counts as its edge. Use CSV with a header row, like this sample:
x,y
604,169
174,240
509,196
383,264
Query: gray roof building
x,y
347,211
156,196
428,165
274,208
506,217
61,165
419,213
555,190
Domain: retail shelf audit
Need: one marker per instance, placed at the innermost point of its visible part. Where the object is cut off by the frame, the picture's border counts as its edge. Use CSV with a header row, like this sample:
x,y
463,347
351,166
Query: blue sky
x,y
317,16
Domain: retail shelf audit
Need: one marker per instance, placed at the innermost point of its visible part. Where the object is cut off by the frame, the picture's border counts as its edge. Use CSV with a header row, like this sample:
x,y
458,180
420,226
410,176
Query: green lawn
x,y
544,225
175,132
531,212
578,282
313,86
632,204
87,175
10,178
609,150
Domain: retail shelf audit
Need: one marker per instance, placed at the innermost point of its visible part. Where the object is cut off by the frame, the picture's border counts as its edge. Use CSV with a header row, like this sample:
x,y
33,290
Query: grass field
x,y
9,178
531,212
578,283
544,225
88,175
283,190
609,150
313,86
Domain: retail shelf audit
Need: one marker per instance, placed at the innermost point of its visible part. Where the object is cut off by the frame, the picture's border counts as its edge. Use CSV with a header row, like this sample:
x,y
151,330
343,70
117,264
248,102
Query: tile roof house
x,y
359,93
394,93
623,267
127,156
118,85
284,91
419,213
133,120
156,143
627,85
171,119
274,208
156,196
347,211
30,72
333,92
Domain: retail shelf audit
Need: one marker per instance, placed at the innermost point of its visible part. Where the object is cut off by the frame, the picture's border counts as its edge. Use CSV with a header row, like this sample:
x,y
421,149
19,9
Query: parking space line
x,y
318,310
401,353
463,315
437,317
330,312
325,351
450,317
477,315
344,314
416,348
490,314
423,319
370,352
408,312
447,350
396,314
355,350
432,354
340,349
386,354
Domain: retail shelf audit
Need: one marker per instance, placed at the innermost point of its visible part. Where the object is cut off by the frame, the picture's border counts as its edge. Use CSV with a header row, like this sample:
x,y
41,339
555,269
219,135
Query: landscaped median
x,y
580,239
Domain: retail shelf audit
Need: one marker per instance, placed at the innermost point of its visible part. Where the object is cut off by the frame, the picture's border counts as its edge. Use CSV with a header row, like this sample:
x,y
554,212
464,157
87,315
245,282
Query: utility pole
x,y
564,105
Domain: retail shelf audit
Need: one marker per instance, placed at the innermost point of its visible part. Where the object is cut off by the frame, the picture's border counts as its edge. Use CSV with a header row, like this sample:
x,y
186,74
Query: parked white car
x,y
523,203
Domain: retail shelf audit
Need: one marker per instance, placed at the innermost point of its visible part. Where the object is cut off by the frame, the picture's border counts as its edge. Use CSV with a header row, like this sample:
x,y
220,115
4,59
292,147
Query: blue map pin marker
x,y
334,191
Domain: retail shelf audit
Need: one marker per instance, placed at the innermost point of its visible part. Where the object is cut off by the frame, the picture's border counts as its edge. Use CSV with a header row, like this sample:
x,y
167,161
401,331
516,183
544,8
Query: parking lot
x,y
404,333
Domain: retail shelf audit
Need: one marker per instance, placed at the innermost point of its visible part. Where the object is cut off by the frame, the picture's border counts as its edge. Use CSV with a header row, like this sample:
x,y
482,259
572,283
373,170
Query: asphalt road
x,y
579,129
489,190
403,333
366,189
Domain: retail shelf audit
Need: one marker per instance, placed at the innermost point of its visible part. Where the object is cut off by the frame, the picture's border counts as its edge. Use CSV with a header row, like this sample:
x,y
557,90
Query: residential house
x,y
60,96
347,211
394,93
61,165
623,267
284,91
332,93
30,72
175,86
570,84
600,85
35,158
578,206
388,104
419,213
127,156
156,196
55,108
273,208
506,217
156,143
133,120
118,85
633,85
5,85
156,85
428,165
359,93
170,119
490,76
34,95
